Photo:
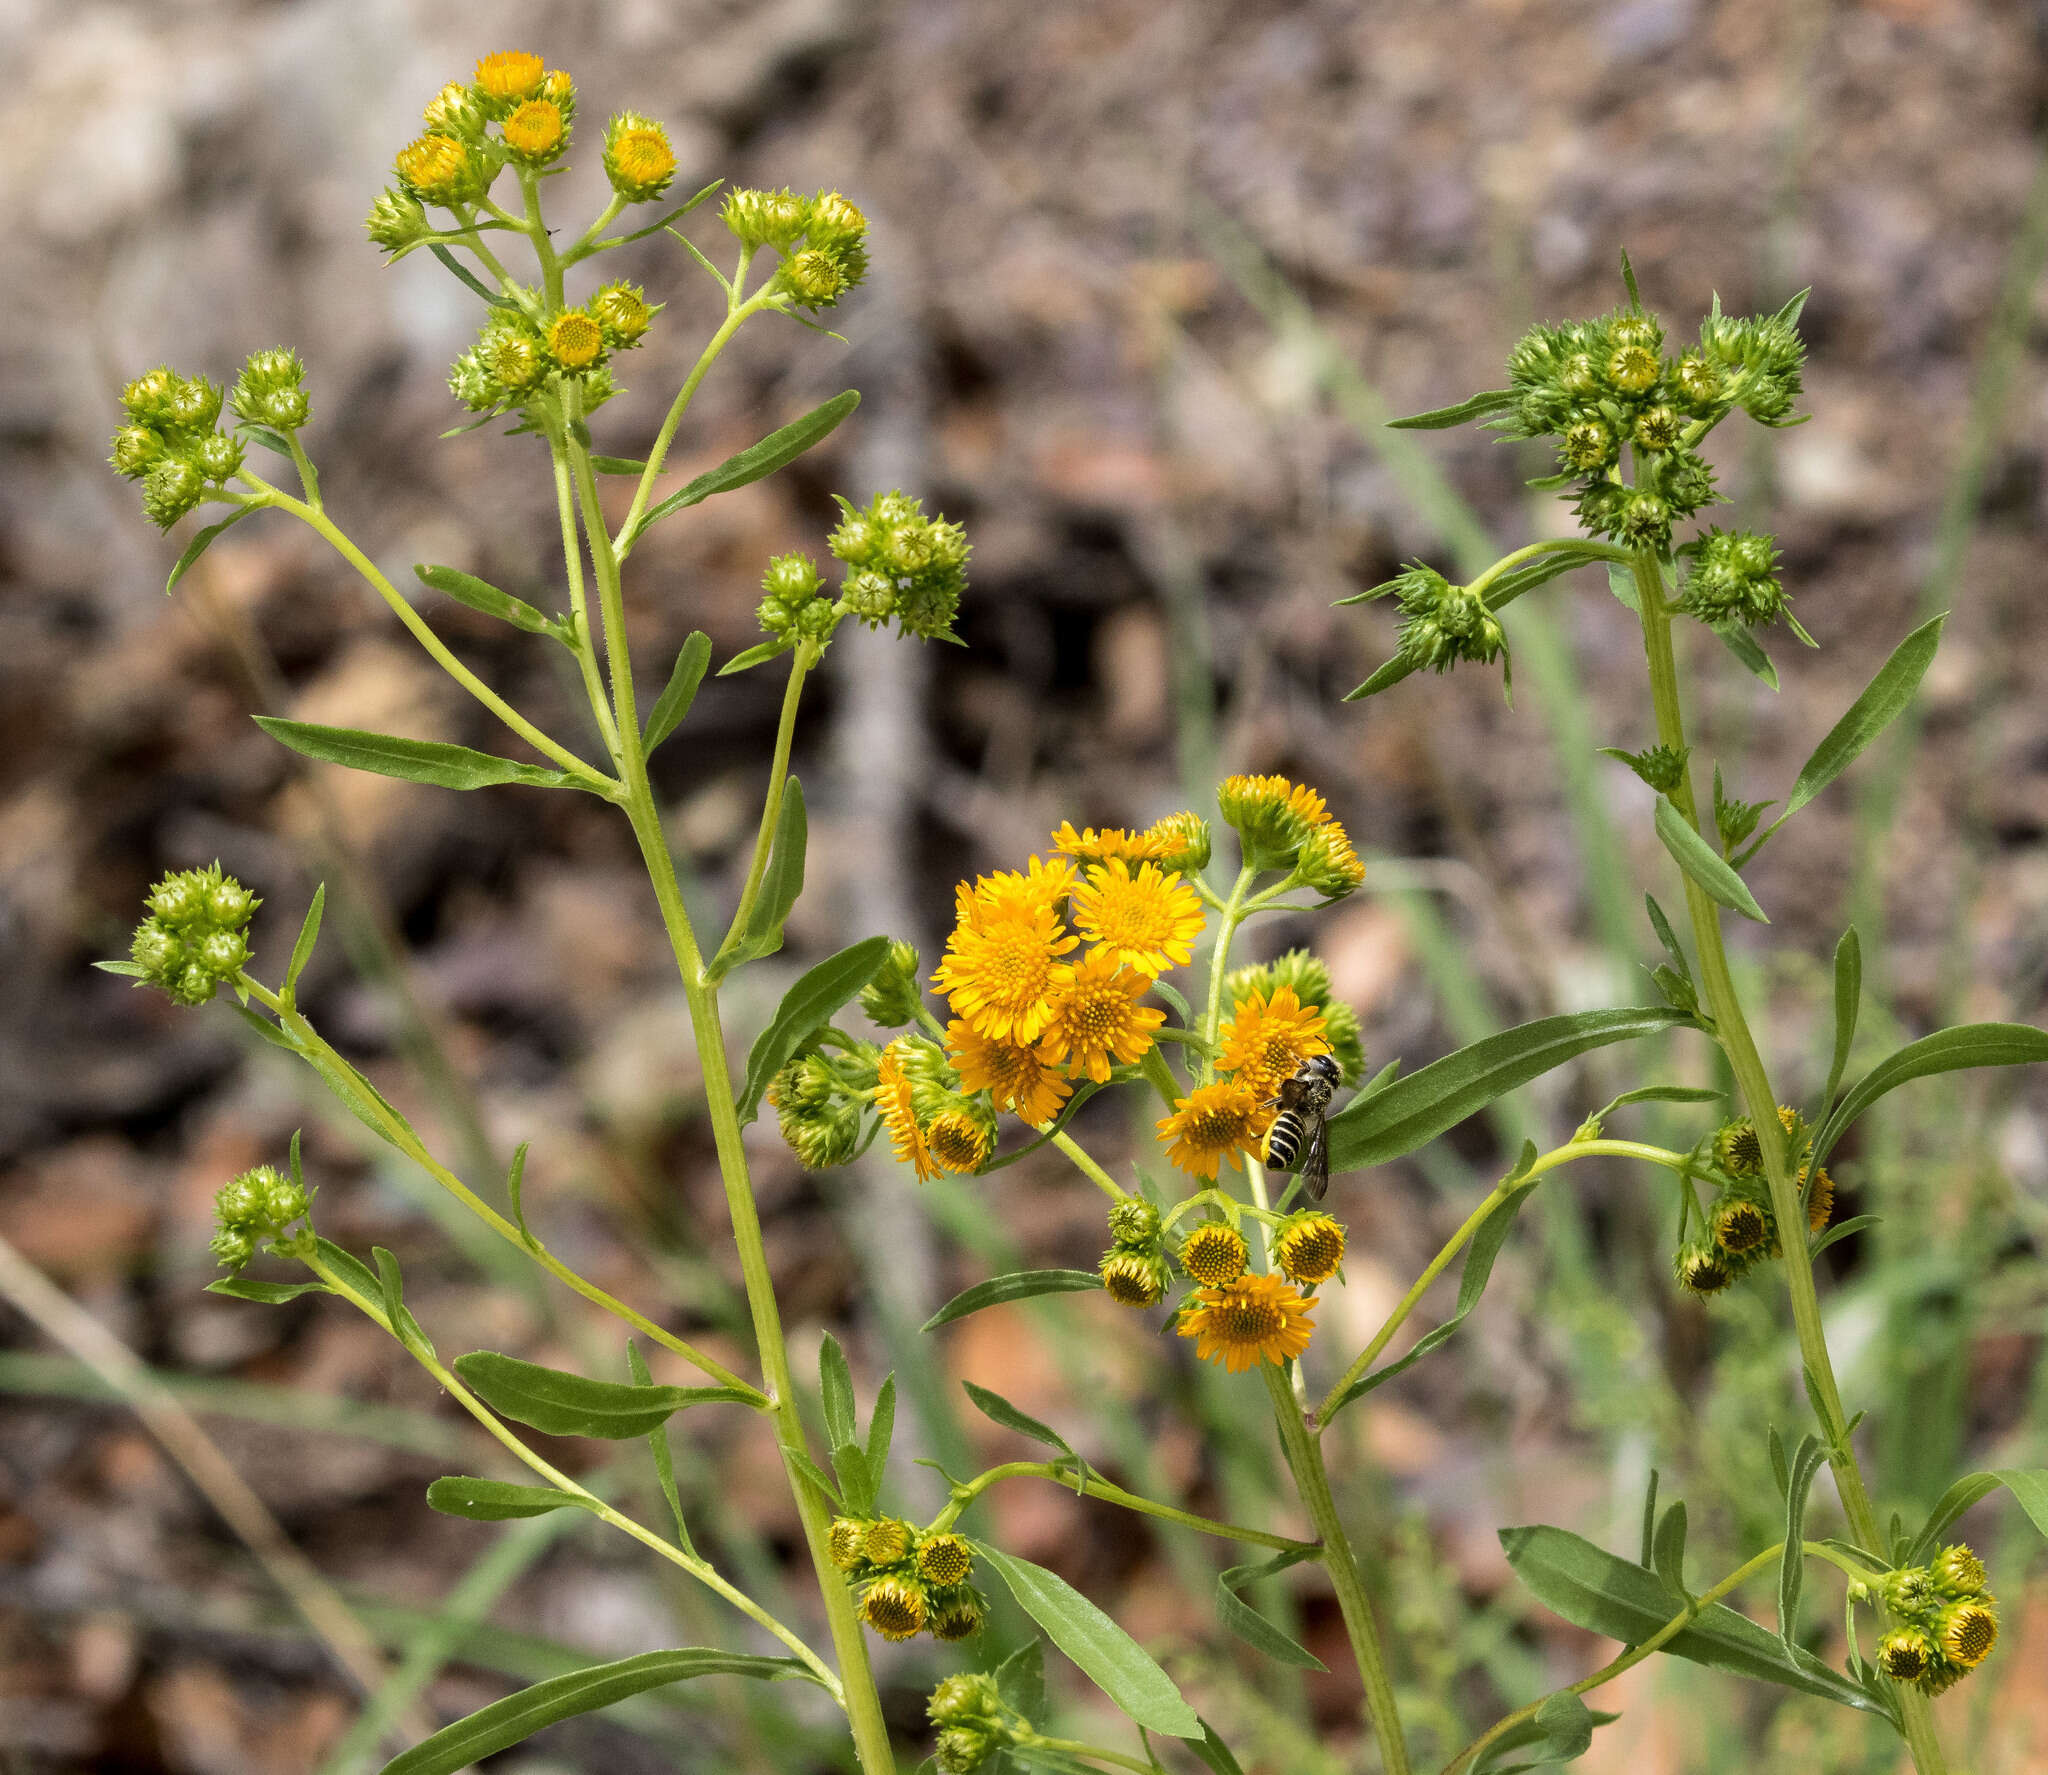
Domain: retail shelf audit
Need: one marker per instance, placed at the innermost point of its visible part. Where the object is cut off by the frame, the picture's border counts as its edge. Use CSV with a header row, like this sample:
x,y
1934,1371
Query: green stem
x,y
1595,551
1087,1485
1628,1659
1094,1752
317,519
579,609
1086,1165
587,242
1305,1459
1732,1032
806,655
1219,961
1563,1155
1160,1075
399,1132
697,1568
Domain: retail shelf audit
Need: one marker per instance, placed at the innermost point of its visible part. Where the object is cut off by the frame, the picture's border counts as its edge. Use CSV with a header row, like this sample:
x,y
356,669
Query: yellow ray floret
x,y
1212,1124
1267,1038
1252,1320
1015,1078
1096,1020
1091,846
999,966
892,1103
1138,916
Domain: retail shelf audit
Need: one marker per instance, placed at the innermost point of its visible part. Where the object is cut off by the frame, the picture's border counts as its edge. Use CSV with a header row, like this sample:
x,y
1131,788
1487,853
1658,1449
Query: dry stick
x,y
65,1322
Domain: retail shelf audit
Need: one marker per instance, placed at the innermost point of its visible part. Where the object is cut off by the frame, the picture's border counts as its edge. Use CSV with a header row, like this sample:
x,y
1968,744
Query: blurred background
x,y
1148,278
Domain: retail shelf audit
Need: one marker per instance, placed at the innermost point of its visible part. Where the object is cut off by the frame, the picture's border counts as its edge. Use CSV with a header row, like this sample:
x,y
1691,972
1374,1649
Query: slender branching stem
x,y
1089,1485
805,655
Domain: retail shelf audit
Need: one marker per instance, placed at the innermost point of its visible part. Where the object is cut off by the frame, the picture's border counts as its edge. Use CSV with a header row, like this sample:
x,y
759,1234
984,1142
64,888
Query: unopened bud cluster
x,y
259,1205
822,240
1134,1269
1947,1620
173,444
972,1723
892,999
900,566
519,358
911,1580
1741,1226
818,1098
1287,826
1732,580
1442,623
193,940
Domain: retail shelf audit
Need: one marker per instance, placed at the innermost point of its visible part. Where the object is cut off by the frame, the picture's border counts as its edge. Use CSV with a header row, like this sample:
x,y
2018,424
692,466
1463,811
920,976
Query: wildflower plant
x,y
1057,983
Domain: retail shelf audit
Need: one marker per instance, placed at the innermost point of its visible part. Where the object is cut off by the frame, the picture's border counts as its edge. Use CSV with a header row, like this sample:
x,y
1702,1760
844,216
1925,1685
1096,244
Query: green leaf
x,y
517,1717
835,1389
1493,400
309,934
1413,1111
349,1270
780,886
1213,1752
881,1432
466,588
805,1009
125,968
664,1456
269,1294
680,691
759,654
1593,1589
618,465
777,448
1868,716
999,1410
1807,1459
1667,1548
1650,1520
1659,1094
1114,1661
1621,581
1018,1285
1251,1626
397,1314
563,1404
1947,1050
1478,1271
1703,863
816,1474
1387,676
1842,1229
1848,999
493,1500
413,761
2028,1485
1746,648
202,542
464,275
515,1182
1560,1731
1020,1679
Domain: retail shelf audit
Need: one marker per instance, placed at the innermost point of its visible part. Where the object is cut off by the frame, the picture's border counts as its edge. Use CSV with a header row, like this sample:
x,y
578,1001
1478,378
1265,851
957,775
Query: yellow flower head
x,y
1039,883
892,1103
844,1543
575,340
1141,918
1268,1037
1743,1227
638,160
1096,1020
535,132
959,1140
1092,846
509,75
1214,1254
1134,1279
1968,1632
1180,843
1015,1078
1272,816
944,1559
1820,1197
894,1607
1310,1247
999,967
1252,1320
1327,862
438,168
1211,1124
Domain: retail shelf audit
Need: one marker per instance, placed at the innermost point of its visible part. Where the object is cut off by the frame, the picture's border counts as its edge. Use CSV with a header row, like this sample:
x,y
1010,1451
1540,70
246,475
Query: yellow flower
x,y
894,1607
1820,1196
1015,1078
436,167
1096,1019
1092,846
638,160
1039,884
1214,1254
1180,843
1134,1279
510,74
575,339
999,966
1252,1320
1968,1632
1212,1123
1272,817
1145,920
1310,1247
1328,863
1267,1038
959,1141
892,1103
535,131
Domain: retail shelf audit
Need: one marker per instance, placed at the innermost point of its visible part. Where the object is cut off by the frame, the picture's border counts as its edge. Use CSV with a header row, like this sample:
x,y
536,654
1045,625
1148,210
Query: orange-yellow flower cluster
x,y
1251,1320
1264,1041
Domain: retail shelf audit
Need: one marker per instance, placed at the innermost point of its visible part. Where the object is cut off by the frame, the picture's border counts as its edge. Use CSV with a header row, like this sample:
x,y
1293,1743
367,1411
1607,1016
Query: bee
x,y
1301,1128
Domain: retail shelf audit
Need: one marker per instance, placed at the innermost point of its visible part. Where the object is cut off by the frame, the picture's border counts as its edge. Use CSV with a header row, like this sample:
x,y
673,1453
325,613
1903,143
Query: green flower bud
x,y
1587,447
638,160
845,1543
1636,331
1633,369
454,111
1442,624
1133,1278
170,490
1659,766
513,359
816,620
1133,1221
966,1699
1960,1573
1658,428
955,1613
766,218
870,597
217,456
1578,377
135,448
146,398
1183,843
961,1749
1644,518
623,312
233,1247
396,220
1733,580
1699,385
893,997
792,577
191,405
814,277
271,389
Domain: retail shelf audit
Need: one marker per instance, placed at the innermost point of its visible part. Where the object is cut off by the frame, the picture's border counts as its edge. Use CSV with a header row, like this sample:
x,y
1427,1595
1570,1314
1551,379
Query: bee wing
x,y
1315,1163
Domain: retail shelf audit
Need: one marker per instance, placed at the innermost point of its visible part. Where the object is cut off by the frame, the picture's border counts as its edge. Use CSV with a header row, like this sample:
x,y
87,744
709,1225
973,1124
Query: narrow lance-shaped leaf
x,y
1869,715
309,934
201,543
481,595
515,1183
835,1390
781,885
1479,406
1807,1460
413,761
1745,647
881,1432
680,691
1965,1046
1848,1000
397,1314
1703,863
1412,1111
1018,1285
999,1410
663,1456
494,1500
805,1009
1667,1548
1251,1626
517,1717
1115,1662
562,1404
2028,1485
778,447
